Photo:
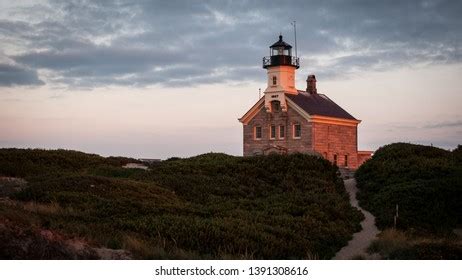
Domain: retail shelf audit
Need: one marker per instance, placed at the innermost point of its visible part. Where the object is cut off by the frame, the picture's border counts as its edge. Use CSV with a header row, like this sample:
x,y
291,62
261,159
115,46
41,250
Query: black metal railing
x,y
277,60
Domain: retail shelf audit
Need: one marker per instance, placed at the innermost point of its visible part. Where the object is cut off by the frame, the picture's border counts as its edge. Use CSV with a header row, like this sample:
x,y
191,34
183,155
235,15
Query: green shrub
x,y
36,162
208,206
425,182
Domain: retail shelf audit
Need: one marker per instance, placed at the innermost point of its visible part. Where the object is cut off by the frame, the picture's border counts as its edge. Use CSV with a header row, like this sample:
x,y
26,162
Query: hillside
x,y
208,206
426,184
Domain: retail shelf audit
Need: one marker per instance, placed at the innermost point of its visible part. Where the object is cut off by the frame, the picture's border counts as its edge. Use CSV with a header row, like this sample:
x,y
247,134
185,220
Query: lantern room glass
x,y
280,51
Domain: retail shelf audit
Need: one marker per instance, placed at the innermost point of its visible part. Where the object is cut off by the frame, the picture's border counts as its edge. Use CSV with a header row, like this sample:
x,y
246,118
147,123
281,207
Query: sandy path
x,y
361,240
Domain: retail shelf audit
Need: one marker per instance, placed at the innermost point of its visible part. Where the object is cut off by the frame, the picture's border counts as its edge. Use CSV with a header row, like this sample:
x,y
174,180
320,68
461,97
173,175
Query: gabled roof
x,y
319,104
252,111
313,107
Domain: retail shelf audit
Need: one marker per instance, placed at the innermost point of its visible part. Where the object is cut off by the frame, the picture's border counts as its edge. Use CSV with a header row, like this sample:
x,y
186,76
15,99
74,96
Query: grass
x,y
399,245
212,206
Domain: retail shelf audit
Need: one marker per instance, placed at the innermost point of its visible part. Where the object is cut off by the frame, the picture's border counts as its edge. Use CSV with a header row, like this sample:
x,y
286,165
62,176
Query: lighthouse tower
x,y
280,66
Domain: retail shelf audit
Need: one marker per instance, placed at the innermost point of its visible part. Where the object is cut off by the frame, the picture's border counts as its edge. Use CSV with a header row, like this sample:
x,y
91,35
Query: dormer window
x,y
275,80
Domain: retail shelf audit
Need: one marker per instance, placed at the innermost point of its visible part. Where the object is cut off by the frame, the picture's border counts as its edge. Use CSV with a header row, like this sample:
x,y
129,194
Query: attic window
x,y
275,80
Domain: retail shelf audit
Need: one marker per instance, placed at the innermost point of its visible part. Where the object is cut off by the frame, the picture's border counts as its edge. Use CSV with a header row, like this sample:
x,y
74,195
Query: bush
x,y
208,206
36,162
426,183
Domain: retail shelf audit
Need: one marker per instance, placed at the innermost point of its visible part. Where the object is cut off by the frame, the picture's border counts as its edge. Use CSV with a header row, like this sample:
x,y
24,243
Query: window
x,y
282,132
276,105
335,159
257,132
297,130
346,160
273,132
275,80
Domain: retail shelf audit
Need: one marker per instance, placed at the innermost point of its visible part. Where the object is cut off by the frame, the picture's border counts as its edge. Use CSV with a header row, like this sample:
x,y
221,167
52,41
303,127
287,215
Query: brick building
x,y
287,120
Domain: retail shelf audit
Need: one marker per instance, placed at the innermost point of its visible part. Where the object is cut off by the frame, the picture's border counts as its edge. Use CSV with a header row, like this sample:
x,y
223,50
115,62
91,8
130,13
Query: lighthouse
x,y
280,67
287,120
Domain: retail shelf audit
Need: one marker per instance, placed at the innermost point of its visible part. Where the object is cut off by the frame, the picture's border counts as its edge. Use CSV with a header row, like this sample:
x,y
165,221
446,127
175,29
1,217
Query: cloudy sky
x,y
170,78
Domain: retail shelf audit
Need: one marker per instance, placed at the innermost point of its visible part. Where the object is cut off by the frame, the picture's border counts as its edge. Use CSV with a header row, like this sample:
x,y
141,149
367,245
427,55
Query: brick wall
x,y
332,139
325,139
263,119
363,156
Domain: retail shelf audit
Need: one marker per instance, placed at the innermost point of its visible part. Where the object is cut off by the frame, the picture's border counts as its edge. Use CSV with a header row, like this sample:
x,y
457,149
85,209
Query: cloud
x,y
133,43
447,124
13,75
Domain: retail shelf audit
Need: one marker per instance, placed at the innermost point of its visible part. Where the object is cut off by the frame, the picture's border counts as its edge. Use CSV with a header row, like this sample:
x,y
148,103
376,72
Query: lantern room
x,y
280,55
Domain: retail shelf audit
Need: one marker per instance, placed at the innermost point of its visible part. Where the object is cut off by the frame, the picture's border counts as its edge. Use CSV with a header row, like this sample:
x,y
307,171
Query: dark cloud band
x,y
133,43
11,75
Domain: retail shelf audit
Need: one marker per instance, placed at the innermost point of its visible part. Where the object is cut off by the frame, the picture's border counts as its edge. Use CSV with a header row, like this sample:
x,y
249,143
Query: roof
x,y
281,43
319,104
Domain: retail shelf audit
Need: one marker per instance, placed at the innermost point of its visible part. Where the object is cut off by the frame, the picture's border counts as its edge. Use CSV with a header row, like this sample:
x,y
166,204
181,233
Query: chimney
x,y
311,85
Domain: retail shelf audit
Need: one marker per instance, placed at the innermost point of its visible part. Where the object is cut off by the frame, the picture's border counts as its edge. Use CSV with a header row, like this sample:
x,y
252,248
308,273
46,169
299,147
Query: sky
x,y
157,79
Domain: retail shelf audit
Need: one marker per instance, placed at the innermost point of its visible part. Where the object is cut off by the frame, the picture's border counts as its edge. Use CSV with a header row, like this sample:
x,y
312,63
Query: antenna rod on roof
x,y
295,33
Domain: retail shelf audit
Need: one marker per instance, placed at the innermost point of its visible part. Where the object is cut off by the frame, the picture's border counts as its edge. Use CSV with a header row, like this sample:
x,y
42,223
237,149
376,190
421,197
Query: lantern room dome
x,y
281,43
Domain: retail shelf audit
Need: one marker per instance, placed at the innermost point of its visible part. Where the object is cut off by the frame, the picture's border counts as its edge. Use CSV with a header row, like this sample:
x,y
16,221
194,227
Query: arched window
x,y
275,80
335,159
346,160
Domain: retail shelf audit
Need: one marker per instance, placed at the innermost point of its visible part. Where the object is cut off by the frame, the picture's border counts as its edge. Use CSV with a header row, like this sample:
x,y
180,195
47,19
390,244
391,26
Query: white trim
x,y
252,111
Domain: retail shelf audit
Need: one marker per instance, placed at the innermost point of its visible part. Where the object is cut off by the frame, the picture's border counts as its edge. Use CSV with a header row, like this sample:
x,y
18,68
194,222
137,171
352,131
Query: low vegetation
x,y
426,185
402,245
208,206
